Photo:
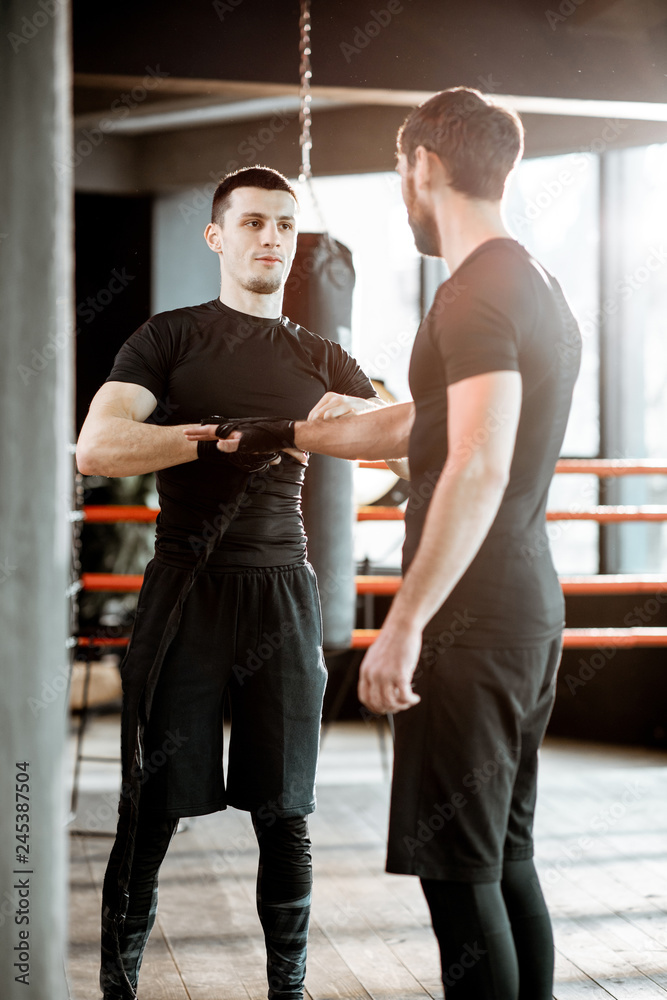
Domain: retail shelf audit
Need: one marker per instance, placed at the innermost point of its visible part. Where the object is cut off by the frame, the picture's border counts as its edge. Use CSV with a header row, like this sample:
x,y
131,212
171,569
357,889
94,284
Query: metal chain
x,y
305,116
305,72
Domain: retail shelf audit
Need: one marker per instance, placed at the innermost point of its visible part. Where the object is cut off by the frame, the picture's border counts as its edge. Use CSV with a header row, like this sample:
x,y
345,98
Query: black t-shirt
x,y
500,311
210,359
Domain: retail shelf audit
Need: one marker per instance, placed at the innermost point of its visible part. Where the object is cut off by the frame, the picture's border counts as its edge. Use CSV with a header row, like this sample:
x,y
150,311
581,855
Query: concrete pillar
x,y
35,486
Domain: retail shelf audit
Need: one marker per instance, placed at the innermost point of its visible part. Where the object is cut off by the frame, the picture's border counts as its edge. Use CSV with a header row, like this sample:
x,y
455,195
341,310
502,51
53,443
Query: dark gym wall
x,y
113,284
597,49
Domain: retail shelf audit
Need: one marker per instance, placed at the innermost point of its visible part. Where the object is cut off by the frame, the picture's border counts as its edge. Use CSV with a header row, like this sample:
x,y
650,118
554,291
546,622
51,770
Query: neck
x,y
251,303
463,225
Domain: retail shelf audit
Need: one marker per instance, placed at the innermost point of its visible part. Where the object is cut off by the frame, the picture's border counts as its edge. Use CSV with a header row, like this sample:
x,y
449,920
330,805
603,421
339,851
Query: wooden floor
x,y
601,834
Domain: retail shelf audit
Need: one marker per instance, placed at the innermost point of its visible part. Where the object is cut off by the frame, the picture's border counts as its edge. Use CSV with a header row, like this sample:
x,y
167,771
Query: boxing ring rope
x,y
107,514
621,583
602,467
591,585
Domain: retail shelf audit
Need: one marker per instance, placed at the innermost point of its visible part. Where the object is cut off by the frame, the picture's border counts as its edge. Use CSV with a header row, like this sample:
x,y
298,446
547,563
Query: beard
x,y
423,225
426,236
425,232
263,286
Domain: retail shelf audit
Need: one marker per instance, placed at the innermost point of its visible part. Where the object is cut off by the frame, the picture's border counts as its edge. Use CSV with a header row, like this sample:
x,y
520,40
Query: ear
x,y
429,171
421,171
213,237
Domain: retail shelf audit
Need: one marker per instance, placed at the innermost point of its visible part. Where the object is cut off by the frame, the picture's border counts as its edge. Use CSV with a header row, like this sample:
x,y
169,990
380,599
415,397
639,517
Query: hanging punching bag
x,y
318,296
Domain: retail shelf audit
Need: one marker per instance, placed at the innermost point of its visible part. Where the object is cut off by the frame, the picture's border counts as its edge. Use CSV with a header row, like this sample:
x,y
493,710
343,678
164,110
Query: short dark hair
x,y
478,142
259,177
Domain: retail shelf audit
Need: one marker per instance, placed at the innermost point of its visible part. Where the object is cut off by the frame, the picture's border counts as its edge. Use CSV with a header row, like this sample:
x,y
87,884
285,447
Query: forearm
x,y
377,434
124,447
462,510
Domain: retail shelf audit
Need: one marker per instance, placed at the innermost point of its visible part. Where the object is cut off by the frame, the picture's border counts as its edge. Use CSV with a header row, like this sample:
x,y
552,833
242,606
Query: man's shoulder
x,y
183,314
307,339
500,273
172,325
497,260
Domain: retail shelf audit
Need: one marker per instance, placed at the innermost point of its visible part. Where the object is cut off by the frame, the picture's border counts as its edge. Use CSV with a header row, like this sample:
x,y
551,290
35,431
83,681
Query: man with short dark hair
x,y
229,605
477,623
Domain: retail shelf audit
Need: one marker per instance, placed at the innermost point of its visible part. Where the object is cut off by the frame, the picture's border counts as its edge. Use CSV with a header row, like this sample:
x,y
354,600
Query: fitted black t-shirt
x,y
500,311
210,359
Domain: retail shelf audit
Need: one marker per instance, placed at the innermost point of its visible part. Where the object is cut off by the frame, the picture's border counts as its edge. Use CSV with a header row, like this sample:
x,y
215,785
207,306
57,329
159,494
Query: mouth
x,y
268,259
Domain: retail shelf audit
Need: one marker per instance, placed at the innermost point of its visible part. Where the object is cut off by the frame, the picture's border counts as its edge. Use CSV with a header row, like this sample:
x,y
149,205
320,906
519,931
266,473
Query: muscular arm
x,y
115,441
333,405
377,434
483,414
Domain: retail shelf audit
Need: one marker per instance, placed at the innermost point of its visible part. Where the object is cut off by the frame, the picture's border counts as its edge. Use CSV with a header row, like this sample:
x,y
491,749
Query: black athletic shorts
x,y
465,764
256,634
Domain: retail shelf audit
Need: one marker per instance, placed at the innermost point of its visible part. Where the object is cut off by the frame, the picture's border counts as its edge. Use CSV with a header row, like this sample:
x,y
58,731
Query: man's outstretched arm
x,y
482,423
333,405
377,434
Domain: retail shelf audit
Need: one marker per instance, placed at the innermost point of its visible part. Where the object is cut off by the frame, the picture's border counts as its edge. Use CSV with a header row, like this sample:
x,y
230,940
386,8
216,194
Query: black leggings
x,y
495,937
284,882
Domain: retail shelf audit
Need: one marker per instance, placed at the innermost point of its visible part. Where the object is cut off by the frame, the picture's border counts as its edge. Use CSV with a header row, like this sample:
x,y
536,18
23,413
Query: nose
x,y
271,235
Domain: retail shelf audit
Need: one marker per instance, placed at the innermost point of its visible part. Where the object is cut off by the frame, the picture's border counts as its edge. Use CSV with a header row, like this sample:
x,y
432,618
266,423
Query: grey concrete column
x,y
35,485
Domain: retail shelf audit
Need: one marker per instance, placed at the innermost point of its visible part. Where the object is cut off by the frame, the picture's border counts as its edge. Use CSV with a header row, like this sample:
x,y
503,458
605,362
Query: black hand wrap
x,y
249,462
260,434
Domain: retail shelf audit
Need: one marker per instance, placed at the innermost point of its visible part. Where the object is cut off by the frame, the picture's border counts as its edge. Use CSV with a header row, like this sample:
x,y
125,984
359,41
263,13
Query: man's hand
x,y
333,404
207,432
385,677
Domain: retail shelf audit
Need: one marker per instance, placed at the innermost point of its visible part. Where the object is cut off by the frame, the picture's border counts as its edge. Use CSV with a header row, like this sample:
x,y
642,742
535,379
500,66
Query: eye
x,y
252,222
287,225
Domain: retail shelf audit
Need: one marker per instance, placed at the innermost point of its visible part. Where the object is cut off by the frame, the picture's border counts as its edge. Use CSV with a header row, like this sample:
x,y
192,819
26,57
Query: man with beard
x,y
229,604
469,650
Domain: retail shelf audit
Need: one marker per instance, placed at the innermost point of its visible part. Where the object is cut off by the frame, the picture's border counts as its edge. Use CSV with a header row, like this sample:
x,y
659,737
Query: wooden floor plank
x,y
572,984
609,969
328,977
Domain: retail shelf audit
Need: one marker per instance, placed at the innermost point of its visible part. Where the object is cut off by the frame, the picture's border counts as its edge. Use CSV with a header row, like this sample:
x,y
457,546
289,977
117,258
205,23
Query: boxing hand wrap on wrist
x,y
208,451
259,434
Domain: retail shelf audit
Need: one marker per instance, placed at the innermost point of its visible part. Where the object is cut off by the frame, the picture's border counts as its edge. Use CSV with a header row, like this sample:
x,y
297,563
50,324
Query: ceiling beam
x,y
245,101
